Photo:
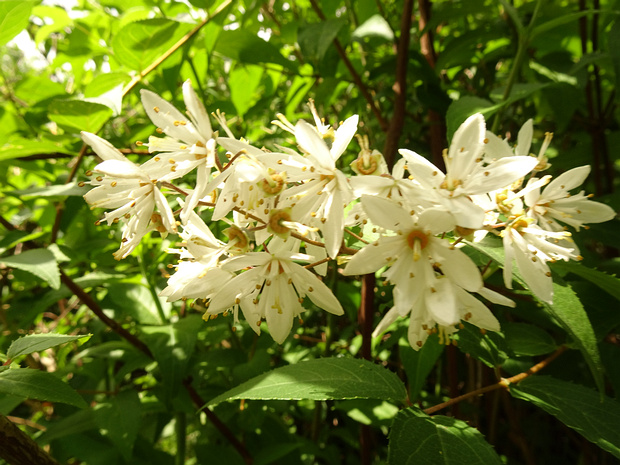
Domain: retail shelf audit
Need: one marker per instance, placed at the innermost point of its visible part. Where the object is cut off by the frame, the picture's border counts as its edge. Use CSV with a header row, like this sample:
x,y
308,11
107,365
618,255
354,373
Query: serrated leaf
x,y
39,262
119,420
245,47
14,16
172,346
40,385
604,281
78,115
527,339
39,342
566,309
416,438
594,416
140,43
321,379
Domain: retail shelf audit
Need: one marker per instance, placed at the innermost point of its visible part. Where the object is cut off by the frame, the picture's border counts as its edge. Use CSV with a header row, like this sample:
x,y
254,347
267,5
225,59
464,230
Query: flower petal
x,y
166,117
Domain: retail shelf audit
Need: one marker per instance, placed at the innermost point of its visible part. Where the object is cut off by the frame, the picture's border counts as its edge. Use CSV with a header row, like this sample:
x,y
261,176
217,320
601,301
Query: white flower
x,y
467,173
527,244
555,203
272,288
131,192
189,144
414,254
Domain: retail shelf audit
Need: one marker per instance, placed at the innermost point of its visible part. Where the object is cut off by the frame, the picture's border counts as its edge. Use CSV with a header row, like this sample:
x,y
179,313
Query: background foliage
x,y
131,391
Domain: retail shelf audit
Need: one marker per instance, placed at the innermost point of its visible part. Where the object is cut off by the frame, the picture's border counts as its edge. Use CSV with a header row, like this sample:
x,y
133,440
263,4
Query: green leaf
x,y
418,364
39,342
527,339
463,108
315,39
604,281
243,46
40,262
594,416
142,42
14,16
119,420
488,347
40,385
614,52
418,439
243,82
78,115
21,147
51,191
321,379
136,301
172,346
566,309
556,22
375,26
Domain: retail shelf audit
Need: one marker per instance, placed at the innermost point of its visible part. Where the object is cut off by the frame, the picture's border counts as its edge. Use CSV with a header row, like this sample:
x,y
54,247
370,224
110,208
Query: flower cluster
x,y
287,213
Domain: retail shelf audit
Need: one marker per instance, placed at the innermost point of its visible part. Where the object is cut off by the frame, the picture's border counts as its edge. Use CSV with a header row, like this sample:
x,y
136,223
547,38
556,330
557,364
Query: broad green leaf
x,y
243,82
487,346
375,26
55,190
463,108
566,309
604,281
40,385
40,262
136,301
556,22
78,115
14,16
55,19
78,422
21,147
527,339
172,346
119,420
321,379
39,342
139,44
594,416
315,39
418,364
248,48
416,438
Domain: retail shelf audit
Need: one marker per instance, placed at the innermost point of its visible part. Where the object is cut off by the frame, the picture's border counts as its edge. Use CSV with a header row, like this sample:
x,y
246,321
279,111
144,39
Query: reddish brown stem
x,y
400,87
354,74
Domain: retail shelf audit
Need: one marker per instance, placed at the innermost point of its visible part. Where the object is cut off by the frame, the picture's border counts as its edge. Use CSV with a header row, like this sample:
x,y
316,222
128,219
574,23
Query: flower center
x,y
276,221
366,164
273,185
417,241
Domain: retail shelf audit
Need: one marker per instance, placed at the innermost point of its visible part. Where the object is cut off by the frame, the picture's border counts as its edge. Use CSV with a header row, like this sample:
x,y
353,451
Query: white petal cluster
x,y
284,214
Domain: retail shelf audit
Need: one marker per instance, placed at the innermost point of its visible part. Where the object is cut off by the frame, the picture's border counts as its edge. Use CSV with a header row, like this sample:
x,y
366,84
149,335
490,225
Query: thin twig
x,y
503,383
354,74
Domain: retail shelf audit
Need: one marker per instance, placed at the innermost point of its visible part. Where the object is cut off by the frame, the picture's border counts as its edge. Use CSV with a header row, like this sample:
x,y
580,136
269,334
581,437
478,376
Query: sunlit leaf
x,y
417,438
321,379
14,15
39,342
40,262
39,385
78,115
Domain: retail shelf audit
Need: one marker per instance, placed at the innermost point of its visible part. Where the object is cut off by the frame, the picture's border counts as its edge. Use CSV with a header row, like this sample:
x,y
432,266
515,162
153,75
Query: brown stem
x,y
504,383
354,74
97,310
437,127
400,87
17,448
199,403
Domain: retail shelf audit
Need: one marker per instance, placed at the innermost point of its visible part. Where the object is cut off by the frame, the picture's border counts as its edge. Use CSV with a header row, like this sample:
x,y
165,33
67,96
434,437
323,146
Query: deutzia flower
x,y
555,203
189,144
414,254
131,192
527,244
467,172
272,288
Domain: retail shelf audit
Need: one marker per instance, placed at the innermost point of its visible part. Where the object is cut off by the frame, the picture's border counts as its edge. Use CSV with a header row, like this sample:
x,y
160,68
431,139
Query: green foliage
x,y
154,383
